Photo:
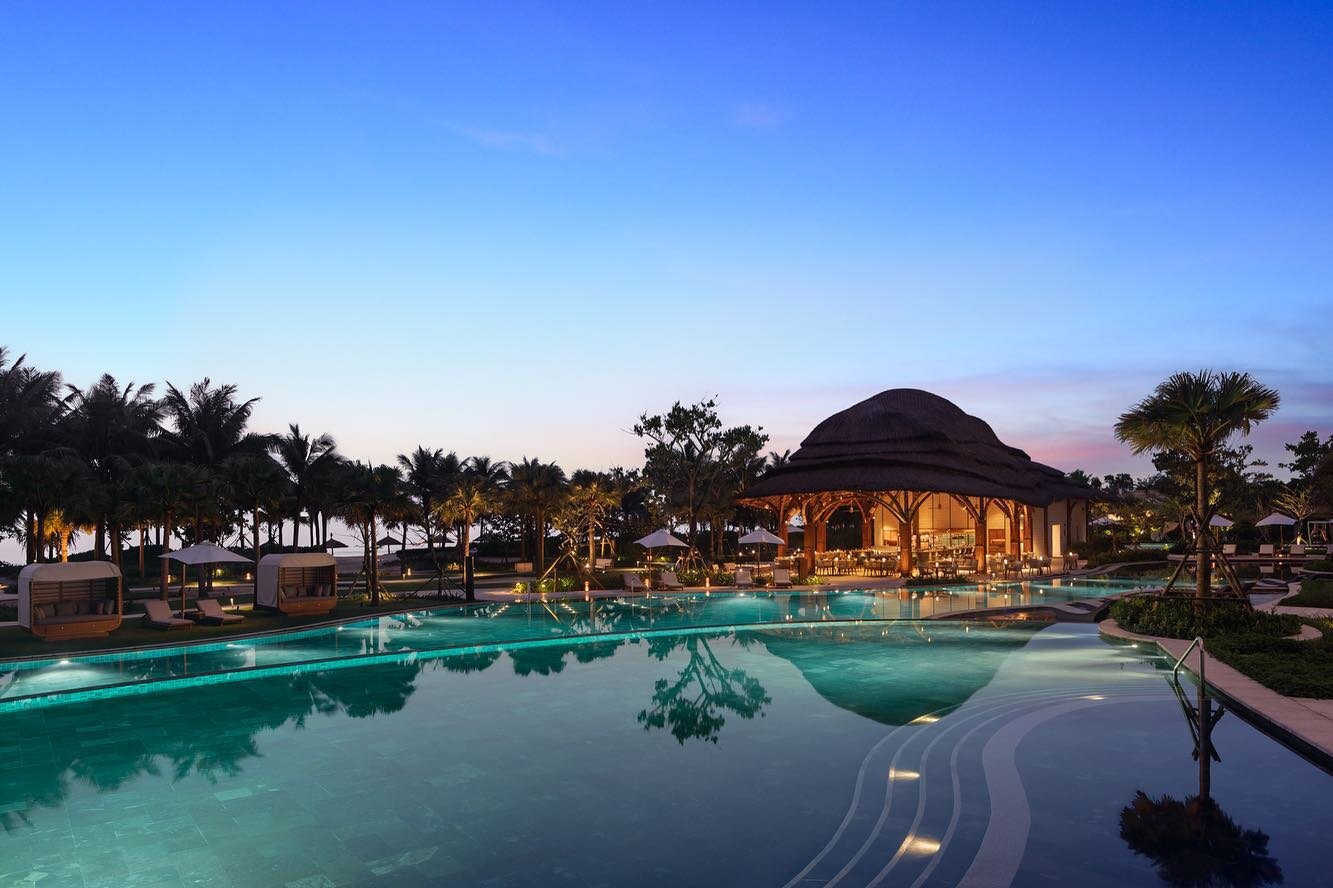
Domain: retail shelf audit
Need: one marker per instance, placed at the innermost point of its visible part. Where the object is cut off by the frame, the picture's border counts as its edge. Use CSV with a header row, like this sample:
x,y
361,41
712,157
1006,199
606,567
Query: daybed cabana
x,y
297,583
74,599
921,485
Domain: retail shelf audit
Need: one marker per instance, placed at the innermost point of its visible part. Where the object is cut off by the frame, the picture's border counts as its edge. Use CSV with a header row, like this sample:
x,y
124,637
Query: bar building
x,y
919,476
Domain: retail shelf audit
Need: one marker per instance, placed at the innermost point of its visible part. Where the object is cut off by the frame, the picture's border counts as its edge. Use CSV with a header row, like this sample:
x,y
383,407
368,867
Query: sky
x,y
510,229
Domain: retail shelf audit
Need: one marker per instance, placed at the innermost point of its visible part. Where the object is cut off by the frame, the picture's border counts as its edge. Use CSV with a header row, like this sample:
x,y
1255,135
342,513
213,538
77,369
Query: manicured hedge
x,y
1177,617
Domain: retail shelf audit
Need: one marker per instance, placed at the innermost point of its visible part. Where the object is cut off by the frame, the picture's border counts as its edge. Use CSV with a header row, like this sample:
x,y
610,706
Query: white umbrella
x,y
1220,521
1104,521
761,537
661,538
202,553
1277,518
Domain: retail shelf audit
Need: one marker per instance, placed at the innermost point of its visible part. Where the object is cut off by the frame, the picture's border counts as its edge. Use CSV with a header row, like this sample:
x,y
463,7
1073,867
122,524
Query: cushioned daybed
x,y
70,600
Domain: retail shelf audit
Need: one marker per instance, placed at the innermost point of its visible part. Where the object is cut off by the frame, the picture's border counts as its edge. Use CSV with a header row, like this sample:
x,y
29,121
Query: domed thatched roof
x,y
907,439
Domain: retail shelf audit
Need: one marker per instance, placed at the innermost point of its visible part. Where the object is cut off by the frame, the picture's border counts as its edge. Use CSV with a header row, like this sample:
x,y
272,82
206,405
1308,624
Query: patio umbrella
x,y
203,553
1278,519
387,540
660,538
760,537
332,543
1220,521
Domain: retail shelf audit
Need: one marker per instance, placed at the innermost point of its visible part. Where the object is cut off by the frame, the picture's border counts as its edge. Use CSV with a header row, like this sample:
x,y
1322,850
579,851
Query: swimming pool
x,y
56,680
895,753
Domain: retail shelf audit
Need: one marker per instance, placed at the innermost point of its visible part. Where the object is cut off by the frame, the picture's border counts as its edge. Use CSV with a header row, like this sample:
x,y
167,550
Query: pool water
x,y
45,682
894,753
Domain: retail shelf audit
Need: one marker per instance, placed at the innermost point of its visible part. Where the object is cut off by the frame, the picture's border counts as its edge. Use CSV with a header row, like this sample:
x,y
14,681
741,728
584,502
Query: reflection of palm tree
x,y
541,660
1195,843
158,739
692,705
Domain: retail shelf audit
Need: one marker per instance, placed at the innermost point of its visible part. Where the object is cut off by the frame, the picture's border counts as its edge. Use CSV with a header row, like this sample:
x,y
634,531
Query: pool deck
x,y
1304,723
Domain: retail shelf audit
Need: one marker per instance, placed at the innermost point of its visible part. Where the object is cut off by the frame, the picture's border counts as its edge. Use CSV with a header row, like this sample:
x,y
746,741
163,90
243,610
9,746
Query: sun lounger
x,y
159,616
634,583
781,578
743,579
669,582
1266,549
211,612
1296,550
1228,549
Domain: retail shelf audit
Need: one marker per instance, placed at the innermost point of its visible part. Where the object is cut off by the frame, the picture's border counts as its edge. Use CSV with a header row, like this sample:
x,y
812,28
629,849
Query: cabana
x,y
910,477
297,583
72,599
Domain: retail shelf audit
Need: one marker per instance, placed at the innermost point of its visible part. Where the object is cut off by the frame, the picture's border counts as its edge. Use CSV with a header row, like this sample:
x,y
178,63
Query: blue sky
x,y
511,228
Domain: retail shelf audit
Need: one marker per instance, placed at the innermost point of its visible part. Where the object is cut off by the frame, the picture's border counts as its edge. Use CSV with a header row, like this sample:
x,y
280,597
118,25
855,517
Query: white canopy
x,y
761,537
1275,518
204,553
270,567
58,572
661,538
1220,521
1104,521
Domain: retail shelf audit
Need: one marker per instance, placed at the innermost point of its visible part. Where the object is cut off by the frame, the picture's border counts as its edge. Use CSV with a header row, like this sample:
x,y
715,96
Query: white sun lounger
x,y
669,582
211,612
781,578
160,617
743,579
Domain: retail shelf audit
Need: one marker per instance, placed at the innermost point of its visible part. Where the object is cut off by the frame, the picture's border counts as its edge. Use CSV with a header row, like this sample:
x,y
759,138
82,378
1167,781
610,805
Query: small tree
x,y
1196,414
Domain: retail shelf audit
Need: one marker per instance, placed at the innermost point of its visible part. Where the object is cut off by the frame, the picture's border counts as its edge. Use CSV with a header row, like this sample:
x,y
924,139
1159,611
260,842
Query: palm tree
x,y
171,488
427,478
535,491
258,483
303,457
592,495
1196,414
43,486
209,425
370,493
30,404
475,492
112,429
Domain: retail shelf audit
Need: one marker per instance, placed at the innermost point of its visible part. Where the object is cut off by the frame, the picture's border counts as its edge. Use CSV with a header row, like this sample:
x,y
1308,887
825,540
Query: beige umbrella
x,y
200,554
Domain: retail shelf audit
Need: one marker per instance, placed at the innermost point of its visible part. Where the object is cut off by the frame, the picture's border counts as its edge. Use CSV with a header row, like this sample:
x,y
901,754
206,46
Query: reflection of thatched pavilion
x,y
920,474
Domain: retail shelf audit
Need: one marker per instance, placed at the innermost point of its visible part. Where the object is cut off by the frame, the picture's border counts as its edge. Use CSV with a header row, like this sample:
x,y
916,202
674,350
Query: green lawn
x,y
1293,668
1314,593
16,642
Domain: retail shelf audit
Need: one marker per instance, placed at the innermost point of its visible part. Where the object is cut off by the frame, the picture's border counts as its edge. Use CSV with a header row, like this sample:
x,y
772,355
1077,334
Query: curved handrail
x,y
1197,642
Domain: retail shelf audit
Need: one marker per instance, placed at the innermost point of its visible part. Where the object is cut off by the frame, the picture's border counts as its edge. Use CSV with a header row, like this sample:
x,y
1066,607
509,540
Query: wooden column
x,y
867,528
983,505
1015,541
808,543
904,548
1028,530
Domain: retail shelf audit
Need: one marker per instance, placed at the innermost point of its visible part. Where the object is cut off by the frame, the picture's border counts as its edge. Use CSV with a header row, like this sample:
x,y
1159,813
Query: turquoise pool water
x,y
51,681
893,753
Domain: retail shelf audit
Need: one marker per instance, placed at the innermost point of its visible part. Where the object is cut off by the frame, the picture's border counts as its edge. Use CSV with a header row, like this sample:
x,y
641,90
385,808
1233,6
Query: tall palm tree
x,y
30,404
535,491
476,492
43,486
257,483
370,493
592,495
209,424
303,457
428,476
112,428
1196,414
171,488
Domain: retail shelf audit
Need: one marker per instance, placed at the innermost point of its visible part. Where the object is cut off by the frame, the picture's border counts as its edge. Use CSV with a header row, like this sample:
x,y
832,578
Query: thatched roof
x,y
907,439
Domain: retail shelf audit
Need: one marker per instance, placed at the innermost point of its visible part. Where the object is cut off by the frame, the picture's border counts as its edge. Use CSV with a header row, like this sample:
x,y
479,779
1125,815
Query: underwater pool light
x,y
896,774
925,720
920,845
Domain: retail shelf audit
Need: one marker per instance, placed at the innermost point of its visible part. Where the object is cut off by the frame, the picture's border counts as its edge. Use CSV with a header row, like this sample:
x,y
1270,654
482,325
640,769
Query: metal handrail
x,y
1197,642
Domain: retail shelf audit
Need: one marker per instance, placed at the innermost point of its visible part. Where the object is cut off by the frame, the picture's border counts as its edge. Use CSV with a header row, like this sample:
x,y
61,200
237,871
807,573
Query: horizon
x,y
511,231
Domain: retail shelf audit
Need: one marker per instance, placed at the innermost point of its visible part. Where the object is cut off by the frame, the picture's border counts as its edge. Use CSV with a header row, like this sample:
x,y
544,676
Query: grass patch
x,y
1293,668
16,642
1176,617
1314,593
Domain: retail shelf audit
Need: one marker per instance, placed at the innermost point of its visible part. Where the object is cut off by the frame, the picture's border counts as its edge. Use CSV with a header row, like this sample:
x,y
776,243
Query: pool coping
x,y
1290,720
240,636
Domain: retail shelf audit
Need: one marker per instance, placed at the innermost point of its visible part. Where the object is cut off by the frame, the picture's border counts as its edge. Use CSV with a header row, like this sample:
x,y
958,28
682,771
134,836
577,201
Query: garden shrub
x,y
1176,617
